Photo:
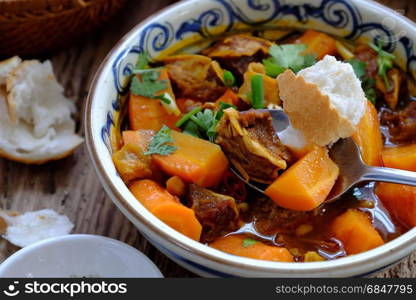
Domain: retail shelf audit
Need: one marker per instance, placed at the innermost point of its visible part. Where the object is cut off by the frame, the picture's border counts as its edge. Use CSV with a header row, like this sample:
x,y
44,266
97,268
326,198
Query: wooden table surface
x,y
70,186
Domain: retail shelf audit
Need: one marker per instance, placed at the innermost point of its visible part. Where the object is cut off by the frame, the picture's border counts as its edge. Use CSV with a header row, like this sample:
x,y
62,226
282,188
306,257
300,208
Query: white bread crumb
x,y
35,123
325,101
31,227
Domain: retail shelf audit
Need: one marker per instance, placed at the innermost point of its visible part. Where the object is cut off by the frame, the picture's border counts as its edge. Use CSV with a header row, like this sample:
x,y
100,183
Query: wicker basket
x,y
30,27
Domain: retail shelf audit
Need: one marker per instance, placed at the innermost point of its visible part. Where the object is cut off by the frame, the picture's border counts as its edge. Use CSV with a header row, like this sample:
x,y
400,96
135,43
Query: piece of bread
x,y
6,67
31,227
35,117
325,101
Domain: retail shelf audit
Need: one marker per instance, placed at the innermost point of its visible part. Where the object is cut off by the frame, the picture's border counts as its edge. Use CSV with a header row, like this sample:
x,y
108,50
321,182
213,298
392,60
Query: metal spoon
x,y
352,170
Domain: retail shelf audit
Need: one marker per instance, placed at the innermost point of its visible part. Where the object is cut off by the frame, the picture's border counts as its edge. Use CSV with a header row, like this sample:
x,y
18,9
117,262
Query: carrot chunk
x,y
140,137
243,246
400,201
147,113
368,137
318,43
307,183
176,186
167,208
356,232
228,97
402,157
195,160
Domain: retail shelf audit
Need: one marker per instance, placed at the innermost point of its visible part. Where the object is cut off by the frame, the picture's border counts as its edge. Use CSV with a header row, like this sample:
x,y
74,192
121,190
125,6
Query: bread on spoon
x,y
325,101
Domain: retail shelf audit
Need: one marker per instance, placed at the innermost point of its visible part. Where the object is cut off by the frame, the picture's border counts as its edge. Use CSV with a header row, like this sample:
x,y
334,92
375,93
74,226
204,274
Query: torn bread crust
x,y
31,227
11,82
35,117
6,66
312,112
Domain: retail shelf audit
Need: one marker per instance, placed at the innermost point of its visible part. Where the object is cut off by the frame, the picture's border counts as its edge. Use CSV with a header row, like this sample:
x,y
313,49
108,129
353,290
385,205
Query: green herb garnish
x,y
248,242
287,57
203,124
229,79
367,83
192,129
358,66
220,112
257,91
142,61
148,85
187,116
161,143
384,62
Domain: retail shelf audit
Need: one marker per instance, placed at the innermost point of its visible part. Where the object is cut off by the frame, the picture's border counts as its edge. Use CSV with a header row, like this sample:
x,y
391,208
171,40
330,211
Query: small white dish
x,y
79,255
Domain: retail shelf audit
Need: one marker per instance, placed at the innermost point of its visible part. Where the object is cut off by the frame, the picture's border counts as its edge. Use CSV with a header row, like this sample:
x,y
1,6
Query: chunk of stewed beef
x,y
250,142
217,213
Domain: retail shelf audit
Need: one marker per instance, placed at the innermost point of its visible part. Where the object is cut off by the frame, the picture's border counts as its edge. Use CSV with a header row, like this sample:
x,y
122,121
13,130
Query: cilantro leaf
x,y
272,69
142,61
205,118
287,57
384,62
202,124
161,143
358,66
248,242
148,85
367,83
192,129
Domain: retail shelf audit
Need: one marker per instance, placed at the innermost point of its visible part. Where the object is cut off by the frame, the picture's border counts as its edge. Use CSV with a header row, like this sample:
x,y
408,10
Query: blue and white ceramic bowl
x,y
195,20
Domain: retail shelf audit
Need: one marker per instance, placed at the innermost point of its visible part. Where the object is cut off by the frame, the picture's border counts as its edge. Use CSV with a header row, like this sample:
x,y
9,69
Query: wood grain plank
x,y
70,186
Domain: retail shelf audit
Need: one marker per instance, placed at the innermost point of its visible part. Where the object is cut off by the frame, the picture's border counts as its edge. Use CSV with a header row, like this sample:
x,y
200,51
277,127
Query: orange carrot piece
x,y
356,232
195,160
167,208
176,186
229,97
234,244
402,157
140,137
400,201
307,183
146,113
318,43
368,137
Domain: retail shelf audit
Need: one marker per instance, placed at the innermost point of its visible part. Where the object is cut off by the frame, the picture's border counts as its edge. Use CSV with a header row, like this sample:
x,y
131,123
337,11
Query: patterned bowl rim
x,y
360,264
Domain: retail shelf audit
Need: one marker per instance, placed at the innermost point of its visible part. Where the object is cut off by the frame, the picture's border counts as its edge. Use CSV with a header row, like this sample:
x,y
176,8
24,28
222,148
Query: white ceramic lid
x,y
79,255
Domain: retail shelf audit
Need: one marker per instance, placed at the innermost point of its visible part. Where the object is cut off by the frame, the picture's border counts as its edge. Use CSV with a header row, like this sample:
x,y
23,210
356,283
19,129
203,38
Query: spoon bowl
x,y
352,170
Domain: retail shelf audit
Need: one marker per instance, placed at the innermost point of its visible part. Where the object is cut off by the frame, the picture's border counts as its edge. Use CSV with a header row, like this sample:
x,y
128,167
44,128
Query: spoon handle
x,y
389,175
